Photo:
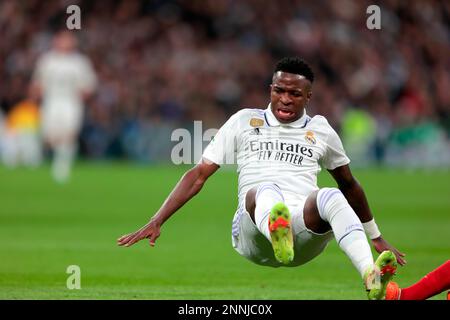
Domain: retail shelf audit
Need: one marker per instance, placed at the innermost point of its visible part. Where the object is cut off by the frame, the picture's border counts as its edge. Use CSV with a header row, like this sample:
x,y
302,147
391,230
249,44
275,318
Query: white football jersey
x,y
63,77
289,155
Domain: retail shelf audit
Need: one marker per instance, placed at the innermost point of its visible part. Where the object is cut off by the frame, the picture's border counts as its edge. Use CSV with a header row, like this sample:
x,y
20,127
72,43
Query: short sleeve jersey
x,y
63,77
290,155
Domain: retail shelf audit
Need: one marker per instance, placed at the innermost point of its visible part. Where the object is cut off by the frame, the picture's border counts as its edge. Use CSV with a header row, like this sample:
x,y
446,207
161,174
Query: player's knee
x,y
326,198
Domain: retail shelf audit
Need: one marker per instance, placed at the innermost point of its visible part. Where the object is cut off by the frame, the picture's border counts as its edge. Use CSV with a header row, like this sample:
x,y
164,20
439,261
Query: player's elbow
x,y
197,187
201,179
195,178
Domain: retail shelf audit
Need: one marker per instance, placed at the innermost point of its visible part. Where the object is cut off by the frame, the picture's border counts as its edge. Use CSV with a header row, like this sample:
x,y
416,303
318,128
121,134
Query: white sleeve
x,y
335,155
222,148
87,77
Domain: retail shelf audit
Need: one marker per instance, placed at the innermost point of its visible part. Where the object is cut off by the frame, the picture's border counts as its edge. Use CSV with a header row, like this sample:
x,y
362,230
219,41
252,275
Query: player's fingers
x,y
136,237
398,253
153,238
129,236
129,243
400,260
122,238
132,238
132,241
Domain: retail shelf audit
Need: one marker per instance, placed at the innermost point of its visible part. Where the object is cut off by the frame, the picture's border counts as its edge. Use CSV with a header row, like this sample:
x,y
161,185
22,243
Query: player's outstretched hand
x,y
150,231
381,245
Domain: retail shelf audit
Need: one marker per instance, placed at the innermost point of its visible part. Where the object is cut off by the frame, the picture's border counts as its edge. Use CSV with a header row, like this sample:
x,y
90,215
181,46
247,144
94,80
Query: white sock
x,y
267,195
62,162
347,228
357,248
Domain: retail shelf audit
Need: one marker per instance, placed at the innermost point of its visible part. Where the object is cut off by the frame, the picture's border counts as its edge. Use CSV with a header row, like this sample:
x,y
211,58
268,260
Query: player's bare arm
x,y
356,197
188,186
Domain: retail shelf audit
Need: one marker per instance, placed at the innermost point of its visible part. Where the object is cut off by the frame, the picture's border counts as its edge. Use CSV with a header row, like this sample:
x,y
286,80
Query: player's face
x,y
65,42
289,94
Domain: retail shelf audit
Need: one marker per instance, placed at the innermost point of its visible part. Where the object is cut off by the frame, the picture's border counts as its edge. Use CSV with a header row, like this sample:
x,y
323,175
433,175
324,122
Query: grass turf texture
x,y
45,227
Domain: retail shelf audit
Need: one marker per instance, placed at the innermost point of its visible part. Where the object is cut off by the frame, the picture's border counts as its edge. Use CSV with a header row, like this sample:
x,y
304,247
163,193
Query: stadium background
x,y
161,65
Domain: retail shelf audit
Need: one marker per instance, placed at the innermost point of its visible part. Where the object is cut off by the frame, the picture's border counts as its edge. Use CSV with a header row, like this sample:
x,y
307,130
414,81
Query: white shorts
x,y
249,242
62,121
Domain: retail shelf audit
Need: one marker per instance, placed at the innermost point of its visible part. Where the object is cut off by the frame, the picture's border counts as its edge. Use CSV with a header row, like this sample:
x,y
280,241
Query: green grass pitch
x,y
45,227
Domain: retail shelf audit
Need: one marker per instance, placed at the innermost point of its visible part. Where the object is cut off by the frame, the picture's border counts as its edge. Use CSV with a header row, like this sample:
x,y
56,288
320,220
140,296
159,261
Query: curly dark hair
x,y
295,65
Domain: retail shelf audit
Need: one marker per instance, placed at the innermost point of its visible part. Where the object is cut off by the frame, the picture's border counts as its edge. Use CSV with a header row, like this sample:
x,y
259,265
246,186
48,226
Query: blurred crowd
x,y
163,64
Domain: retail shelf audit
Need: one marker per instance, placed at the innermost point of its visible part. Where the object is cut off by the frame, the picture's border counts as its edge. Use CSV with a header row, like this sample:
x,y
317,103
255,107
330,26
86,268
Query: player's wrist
x,y
156,220
371,229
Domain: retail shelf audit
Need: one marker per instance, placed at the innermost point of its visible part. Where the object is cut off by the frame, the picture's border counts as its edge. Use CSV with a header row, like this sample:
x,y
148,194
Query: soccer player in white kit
x,y
283,218
64,78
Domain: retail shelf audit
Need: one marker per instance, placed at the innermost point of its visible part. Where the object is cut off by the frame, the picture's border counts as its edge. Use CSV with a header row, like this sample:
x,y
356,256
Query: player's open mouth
x,y
285,113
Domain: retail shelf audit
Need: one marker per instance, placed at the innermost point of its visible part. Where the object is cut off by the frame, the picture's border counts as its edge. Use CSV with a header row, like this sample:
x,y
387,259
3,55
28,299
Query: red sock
x,y
432,284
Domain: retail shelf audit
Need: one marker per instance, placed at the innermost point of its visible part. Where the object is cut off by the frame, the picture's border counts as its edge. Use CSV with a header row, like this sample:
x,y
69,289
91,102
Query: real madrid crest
x,y
309,136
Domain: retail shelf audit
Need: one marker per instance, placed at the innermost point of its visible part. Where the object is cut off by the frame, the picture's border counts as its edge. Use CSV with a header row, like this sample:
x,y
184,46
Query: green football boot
x,y
281,233
377,277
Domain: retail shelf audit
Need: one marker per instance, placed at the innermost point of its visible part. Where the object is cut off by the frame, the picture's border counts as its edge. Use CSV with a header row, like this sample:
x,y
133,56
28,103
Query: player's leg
x,y
328,208
265,204
63,146
64,155
259,202
61,126
433,283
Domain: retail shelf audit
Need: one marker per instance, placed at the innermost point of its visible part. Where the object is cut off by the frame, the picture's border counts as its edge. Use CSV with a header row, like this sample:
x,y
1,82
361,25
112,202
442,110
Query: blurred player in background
x,y
283,217
64,78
